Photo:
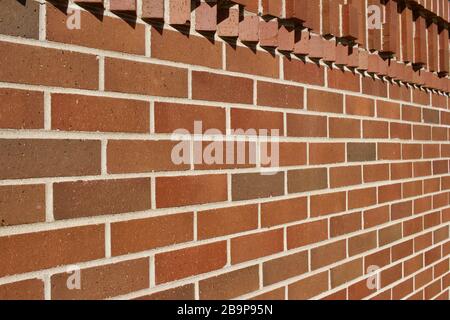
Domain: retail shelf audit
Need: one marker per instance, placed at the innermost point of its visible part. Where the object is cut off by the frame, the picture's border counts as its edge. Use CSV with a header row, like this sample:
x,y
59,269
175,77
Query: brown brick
x,y
299,125
47,67
374,87
183,263
20,109
413,265
329,203
307,180
225,221
170,117
90,113
411,113
34,158
247,186
23,290
376,172
299,71
186,292
389,151
401,210
22,204
401,170
145,78
256,245
284,211
20,19
274,295
100,197
400,131
402,250
104,281
285,267
362,243
46,249
307,233
325,153
346,272
230,285
261,63
150,233
344,224
328,254
324,101
389,193
344,128
280,95
308,287
375,129
380,258
190,190
361,152
390,234
130,156
178,47
375,217
216,87
106,33
291,153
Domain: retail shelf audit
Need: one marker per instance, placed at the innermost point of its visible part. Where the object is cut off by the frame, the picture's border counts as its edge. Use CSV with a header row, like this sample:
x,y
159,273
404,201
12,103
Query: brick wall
x,y
88,182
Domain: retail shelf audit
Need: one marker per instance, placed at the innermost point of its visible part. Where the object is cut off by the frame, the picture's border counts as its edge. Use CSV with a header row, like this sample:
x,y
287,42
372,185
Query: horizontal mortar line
x,y
225,136
100,219
144,59
292,280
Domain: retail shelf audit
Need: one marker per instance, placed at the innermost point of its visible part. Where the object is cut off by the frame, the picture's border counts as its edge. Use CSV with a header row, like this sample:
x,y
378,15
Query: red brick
x,y
145,78
390,234
400,131
22,204
325,204
345,176
206,17
389,151
359,106
257,120
299,71
107,33
299,125
186,292
362,243
100,197
323,101
376,172
216,87
179,12
343,80
20,109
46,249
190,190
175,46
389,193
150,233
374,87
23,290
279,95
230,285
283,211
346,272
47,67
90,113
256,245
241,59
389,110
324,153
307,233
402,250
411,113
104,281
183,263
34,158
225,221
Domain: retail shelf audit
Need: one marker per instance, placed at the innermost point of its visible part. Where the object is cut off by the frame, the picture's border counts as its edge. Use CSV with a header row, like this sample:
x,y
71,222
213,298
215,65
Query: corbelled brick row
x,y
133,154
